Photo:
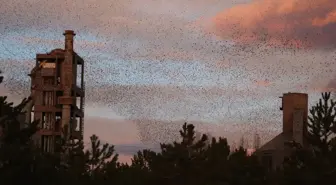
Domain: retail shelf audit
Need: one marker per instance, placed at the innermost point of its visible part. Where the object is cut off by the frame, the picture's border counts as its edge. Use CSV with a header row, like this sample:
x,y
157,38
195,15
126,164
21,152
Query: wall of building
x,y
292,102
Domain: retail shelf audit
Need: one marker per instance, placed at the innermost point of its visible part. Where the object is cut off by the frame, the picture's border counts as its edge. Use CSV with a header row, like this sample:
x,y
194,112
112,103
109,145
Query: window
x,y
48,98
32,115
48,80
58,80
47,121
58,144
47,143
58,124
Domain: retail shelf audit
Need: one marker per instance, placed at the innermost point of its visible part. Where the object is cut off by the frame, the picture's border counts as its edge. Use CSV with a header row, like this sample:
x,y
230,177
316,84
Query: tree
x,y
217,165
18,156
179,163
143,169
245,169
102,160
322,124
1,78
183,159
194,162
97,164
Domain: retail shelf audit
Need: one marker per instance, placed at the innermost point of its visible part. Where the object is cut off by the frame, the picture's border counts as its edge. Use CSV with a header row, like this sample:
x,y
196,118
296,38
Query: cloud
x,y
116,132
127,28
286,23
263,83
125,159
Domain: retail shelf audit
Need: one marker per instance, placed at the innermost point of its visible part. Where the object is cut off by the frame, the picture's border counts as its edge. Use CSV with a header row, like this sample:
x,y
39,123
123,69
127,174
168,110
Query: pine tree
x,y
145,169
216,167
100,155
178,162
1,78
322,124
89,166
18,156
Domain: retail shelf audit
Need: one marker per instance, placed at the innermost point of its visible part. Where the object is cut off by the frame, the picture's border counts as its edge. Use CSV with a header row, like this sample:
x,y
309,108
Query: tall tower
x,y
295,115
294,127
58,92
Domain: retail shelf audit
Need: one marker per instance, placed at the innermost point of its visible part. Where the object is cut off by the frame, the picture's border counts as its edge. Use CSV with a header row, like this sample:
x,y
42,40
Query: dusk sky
x,y
153,64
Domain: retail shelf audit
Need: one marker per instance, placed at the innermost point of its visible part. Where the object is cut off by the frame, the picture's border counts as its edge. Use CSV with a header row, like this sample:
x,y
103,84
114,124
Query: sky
x,y
152,64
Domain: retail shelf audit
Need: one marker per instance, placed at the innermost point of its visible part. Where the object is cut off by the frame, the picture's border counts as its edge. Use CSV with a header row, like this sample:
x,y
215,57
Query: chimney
x,y
69,35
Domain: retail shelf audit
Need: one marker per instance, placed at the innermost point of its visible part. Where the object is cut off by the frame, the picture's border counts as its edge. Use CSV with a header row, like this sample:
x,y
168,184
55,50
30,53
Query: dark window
x,y
58,144
47,143
48,98
47,121
58,125
48,80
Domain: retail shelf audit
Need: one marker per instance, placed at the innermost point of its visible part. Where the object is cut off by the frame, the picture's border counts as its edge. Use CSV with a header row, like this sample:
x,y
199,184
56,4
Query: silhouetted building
x,y
295,117
56,98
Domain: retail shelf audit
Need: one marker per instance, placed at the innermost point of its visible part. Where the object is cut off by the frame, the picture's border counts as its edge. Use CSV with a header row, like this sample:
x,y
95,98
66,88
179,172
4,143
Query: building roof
x,y
277,143
58,53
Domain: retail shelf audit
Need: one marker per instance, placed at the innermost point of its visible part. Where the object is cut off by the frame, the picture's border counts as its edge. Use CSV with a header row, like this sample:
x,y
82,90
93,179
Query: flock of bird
x,y
160,70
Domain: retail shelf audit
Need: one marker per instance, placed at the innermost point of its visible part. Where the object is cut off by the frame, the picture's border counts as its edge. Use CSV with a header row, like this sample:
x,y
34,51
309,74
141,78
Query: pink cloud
x,y
141,31
125,159
263,83
286,23
116,132
323,89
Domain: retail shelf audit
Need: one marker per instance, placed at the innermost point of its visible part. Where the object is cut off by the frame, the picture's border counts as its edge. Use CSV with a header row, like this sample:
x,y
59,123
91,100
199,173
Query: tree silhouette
x,y
18,155
322,124
99,155
1,77
93,165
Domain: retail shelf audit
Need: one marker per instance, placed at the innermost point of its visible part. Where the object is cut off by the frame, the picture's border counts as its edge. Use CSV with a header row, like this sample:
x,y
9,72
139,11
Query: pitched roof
x,y
277,143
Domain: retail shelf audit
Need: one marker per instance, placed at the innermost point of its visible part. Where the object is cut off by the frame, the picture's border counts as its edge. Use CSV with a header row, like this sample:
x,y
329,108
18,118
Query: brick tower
x,y
294,128
58,92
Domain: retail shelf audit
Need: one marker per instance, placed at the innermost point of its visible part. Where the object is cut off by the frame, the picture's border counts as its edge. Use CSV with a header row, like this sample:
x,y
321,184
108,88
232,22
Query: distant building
x,y
295,117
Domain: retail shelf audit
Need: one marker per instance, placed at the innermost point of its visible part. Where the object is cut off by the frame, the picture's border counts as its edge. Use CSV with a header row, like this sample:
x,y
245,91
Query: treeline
x,y
207,161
